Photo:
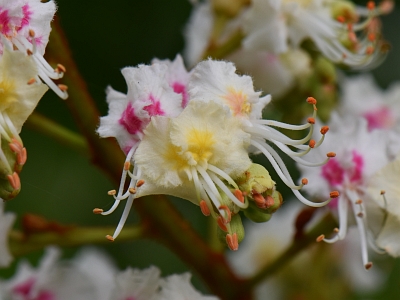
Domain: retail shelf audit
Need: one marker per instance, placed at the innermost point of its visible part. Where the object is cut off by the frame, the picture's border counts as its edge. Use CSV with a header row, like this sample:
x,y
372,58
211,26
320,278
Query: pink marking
x,y
154,109
381,118
24,288
334,173
27,16
45,295
180,88
130,121
4,22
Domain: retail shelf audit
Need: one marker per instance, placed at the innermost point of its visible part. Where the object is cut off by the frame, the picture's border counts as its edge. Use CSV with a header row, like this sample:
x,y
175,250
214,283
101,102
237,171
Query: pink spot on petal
x,y
333,172
154,109
27,16
358,167
130,121
24,288
4,22
180,88
381,118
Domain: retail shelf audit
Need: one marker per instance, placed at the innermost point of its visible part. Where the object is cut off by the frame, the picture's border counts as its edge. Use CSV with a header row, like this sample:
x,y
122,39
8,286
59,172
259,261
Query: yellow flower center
x,y
237,102
8,94
201,144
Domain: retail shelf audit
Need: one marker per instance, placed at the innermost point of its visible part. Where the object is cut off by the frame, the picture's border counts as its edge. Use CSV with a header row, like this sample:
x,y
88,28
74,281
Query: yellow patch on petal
x,y
200,144
238,102
8,94
174,156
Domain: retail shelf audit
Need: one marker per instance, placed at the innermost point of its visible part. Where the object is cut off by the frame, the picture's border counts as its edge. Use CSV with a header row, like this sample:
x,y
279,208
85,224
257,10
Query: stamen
x,y
61,68
228,213
140,183
97,211
127,166
334,194
331,154
304,181
112,192
269,201
110,238
22,157
239,195
63,87
311,120
31,81
311,144
204,208
336,230
340,19
371,5
324,129
14,181
132,190
259,200
123,217
368,266
31,33
232,241
221,223
359,201
311,100
320,238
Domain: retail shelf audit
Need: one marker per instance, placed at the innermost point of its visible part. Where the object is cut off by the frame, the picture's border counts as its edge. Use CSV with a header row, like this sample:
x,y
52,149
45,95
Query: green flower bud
x,y
256,214
235,233
255,179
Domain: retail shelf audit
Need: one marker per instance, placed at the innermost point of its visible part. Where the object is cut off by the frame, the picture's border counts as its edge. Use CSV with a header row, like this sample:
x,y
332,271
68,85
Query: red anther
x,y
368,266
204,208
232,241
31,81
334,194
312,100
311,144
140,183
97,211
371,36
61,68
371,5
359,201
111,192
31,33
331,154
259,200
239,195
269,201
311,120
110,238
304,181
22,157
127,165
336,230
324,129
383,192
62,87
320,238
14,181
228,212
221,223
369,50
132,191
340,19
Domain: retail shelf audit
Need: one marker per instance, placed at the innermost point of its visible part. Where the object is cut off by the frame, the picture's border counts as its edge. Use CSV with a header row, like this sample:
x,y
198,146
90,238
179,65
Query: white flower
x,y
178,287
18,98
386,181
217,81
6,222
137,284
275,25
359,155
26,25
362,97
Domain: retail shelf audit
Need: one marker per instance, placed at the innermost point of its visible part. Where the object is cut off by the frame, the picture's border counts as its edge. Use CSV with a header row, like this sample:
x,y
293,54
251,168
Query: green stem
x,y
325,225
61,134
20,245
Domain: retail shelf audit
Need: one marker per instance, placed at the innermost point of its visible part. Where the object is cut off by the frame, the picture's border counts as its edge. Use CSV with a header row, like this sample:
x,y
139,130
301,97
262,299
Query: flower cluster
x,y
194,142
92,275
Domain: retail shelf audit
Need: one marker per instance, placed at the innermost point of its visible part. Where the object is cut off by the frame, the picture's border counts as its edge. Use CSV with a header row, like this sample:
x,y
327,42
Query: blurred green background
x,y
106,36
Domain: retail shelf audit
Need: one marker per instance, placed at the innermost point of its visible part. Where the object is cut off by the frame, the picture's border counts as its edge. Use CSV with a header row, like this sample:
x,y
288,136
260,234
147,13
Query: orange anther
x,y
311,144
386,6
334,194
259,200
320,238
311,120
340,19
369,50
221,223
31,33
127,165
304,181
140,183
371,5
110,238
97,211
204,208
228,212
14,181
371,36
22,156
62,87
336,230
111,192
359,201
350,27
331,154
31,81
312,100
352,36
232,241
29,52
383,192
15,147
269,201
368,266
239,195
61,68
132,191
360,215
324,129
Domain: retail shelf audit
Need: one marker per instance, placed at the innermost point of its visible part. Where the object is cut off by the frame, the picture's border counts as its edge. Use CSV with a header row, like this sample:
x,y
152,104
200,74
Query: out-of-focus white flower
x,y
217,81
359,155
384,189
25,24
362,97
6,222
19,96
342,32
178,287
